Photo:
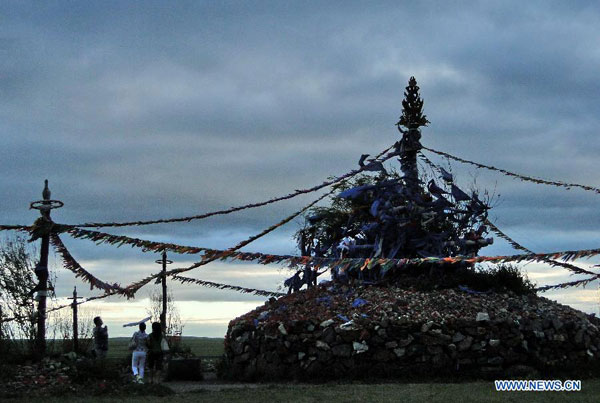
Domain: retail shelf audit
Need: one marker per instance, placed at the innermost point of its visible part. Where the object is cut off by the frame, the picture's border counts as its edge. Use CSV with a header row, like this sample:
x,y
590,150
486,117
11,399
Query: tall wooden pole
x,y
41,229
42,274
163,314
75,321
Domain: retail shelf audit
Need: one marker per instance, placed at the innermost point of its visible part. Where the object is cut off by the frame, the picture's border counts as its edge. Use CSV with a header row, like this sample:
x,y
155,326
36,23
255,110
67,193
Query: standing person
x,y
100,338
156,347
138,358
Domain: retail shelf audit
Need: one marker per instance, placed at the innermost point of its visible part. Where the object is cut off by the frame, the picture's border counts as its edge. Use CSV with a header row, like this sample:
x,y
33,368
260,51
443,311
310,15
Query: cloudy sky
x,y
144,110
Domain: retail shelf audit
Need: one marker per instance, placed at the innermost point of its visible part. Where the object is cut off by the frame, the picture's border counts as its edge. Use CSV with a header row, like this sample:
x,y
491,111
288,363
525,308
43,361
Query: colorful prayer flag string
x,y
146,245
71,264
15,228
516,245
571,267
220,286
229,253
577,283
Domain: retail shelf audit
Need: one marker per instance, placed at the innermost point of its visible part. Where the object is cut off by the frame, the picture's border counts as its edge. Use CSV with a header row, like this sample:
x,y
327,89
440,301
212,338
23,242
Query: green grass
x,y
463,392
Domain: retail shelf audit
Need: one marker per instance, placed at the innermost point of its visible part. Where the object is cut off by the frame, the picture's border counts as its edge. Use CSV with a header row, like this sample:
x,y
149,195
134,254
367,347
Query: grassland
x,y
200,346
482,391
461,392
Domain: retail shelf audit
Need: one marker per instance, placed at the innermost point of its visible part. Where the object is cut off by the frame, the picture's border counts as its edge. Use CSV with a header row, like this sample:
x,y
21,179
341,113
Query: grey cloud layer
x,y
151,110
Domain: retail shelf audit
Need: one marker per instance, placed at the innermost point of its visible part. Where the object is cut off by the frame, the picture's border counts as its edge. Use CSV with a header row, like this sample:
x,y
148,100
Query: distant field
x,y
200,346
118,346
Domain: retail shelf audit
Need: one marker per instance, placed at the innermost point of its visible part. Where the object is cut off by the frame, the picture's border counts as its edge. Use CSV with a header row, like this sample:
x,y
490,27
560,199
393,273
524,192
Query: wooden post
x,y
42,274
44,226
75,323
163,315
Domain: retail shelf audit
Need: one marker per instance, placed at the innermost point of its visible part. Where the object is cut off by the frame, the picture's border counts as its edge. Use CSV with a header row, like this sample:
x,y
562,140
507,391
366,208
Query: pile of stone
x,y
47,374
333,332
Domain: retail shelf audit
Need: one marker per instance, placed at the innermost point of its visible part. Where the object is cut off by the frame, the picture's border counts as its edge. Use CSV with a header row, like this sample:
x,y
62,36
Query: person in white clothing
x,y
138,358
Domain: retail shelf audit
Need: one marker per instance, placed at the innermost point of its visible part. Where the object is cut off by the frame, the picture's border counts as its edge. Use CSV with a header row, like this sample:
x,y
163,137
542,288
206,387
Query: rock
x,y
426,326
342,350
557,324
383,355
578,339
405,342
282,330
522,371
482,317
327,323
495,361
458,337
391,344
429,340
322,345
350,325
360,347
494,342
404,319
238,348
465,344
399,352
435,350
439,360
513,341
301,355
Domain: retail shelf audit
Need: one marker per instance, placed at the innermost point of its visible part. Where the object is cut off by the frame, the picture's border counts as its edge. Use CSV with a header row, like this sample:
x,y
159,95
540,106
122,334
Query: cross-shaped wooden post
x,y
75,327
163,315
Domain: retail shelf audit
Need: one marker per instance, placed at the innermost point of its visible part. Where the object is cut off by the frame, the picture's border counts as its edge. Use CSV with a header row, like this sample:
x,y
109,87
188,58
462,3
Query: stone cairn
x,y
347,329
389,332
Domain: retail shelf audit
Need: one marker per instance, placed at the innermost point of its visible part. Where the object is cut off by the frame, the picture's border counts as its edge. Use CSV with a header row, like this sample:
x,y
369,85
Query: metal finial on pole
x,y
163,315
42,228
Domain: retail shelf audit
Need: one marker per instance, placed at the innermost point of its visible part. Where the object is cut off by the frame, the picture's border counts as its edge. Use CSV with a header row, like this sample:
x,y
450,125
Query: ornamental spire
x,y
412,118
412,112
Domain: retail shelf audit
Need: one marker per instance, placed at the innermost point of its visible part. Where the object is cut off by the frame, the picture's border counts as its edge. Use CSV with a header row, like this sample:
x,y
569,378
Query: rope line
x,y
246,206
147,246
515,175
13,318
15,227
514,244
72,265
227,253
518,246
576,283
220,286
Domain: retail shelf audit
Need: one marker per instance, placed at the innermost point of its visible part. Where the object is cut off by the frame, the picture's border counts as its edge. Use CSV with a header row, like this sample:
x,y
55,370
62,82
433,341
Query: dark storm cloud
x,y
151,110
